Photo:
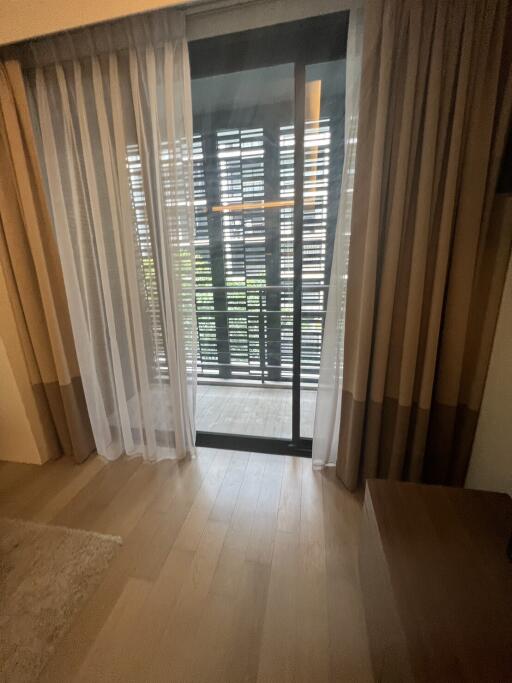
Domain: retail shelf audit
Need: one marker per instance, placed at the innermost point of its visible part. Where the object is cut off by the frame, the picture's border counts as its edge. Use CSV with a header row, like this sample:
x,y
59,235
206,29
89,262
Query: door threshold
x,y
254,444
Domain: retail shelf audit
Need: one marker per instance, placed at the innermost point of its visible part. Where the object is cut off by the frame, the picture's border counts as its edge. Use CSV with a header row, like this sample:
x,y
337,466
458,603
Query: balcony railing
x,y
246,333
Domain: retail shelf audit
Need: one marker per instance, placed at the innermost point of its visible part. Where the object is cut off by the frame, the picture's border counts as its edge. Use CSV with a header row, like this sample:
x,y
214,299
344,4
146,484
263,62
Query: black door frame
x,y
302,43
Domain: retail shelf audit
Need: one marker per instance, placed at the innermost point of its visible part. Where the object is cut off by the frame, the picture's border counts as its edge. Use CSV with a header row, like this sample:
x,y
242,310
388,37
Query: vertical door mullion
x,y
298,217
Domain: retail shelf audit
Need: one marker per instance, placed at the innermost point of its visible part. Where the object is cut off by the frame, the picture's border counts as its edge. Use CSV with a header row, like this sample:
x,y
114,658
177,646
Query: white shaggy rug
x,y
46,573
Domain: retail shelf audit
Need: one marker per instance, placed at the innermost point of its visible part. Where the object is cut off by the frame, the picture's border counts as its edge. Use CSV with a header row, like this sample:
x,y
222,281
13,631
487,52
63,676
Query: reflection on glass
x,y
243,175
323,162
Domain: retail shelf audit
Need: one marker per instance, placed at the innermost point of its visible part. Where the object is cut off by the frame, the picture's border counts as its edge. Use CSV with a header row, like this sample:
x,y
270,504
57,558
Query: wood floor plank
x,y
142,555
128,505
261,411
348,655
279,659
106,656
14,476
159,527
225,502
242,654
194,525
278,655
234,567
233,555
178,647
211,638
289,505
17,496
83,511
261,538
81,475
231,627
141,642
312,610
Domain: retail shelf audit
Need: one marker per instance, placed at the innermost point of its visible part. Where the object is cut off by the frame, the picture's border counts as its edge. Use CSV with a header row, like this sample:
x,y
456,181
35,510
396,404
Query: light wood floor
x,y
254,411
235,567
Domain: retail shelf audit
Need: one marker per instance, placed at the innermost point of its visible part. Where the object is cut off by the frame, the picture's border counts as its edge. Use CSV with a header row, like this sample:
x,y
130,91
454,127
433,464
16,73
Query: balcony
x,y
246,333
252,411
245,358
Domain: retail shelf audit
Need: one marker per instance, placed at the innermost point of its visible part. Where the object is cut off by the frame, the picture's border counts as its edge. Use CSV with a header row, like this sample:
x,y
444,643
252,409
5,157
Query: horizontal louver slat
x,y
248,326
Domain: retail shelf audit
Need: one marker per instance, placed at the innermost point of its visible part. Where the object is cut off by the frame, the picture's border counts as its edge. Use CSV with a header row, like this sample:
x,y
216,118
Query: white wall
x,y
491,461
23,19
22,437
17,442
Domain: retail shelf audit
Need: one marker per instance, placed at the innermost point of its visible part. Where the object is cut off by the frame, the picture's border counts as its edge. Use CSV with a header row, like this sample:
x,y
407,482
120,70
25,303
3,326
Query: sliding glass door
x,y
268,152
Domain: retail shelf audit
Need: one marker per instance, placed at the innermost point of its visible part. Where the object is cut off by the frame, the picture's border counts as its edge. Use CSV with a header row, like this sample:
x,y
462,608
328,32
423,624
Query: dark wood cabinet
x,y
437,583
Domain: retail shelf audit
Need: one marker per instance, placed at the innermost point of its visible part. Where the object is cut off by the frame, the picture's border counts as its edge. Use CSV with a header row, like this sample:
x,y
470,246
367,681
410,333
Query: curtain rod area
x,y
204,19
209,19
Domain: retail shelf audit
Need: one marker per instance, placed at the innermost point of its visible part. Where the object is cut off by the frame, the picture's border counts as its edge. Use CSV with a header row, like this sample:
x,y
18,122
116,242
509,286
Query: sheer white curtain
x,y
112,108
328,403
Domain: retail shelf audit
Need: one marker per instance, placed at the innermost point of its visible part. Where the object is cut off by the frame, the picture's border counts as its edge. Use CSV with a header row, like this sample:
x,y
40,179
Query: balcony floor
x,y
252,411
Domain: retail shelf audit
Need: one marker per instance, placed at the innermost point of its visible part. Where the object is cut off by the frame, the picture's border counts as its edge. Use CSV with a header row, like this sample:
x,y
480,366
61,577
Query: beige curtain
x,y
29,259
427,261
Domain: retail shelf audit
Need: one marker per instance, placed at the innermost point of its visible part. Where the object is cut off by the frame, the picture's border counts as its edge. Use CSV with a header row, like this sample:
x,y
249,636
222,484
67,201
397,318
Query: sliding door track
x,y
254,444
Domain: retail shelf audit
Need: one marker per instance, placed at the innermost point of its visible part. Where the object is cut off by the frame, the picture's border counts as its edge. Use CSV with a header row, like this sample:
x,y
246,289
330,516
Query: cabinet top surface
x,y
446,553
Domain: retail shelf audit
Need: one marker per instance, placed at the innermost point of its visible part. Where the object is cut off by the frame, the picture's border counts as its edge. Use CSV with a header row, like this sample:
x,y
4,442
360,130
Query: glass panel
x,y
323,163
243,173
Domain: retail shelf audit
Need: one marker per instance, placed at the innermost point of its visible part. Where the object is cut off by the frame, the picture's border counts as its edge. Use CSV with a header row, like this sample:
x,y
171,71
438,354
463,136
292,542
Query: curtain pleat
x,y
426,267
31,265
115,137
328,403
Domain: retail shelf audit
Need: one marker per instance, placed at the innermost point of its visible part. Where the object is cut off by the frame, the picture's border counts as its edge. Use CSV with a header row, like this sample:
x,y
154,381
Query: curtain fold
x,y
426,266
115,136
30,262
328,402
